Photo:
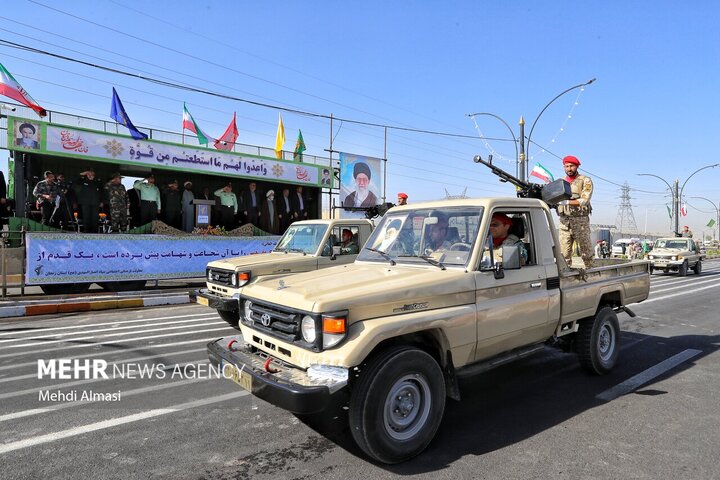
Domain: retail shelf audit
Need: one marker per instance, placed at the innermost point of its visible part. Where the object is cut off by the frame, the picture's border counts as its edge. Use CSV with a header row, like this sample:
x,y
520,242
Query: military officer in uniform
x,y
117,197
575,214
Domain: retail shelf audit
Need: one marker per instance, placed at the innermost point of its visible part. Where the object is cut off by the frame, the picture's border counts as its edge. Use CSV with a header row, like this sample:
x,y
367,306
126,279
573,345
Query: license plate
x,y
203,301
241,377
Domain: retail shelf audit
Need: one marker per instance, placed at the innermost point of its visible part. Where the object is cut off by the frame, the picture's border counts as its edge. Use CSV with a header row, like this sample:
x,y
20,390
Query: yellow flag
x,y
279,138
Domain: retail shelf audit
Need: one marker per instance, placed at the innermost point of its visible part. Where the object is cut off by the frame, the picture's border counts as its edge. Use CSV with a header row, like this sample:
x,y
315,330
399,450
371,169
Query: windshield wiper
x,y
432,261
383,254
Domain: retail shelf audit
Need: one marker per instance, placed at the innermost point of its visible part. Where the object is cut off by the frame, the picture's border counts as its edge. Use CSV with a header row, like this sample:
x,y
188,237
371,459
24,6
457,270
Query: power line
x,y
237,99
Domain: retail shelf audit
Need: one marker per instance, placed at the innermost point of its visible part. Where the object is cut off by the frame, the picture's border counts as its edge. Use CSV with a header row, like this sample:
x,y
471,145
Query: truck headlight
x,y
334,329
307,327
651,257
209,274
673,258
247,310
243,278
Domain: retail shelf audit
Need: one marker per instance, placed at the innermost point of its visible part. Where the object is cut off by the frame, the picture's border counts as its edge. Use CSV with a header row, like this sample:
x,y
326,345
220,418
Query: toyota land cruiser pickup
x,y
676,254
305,246
429,299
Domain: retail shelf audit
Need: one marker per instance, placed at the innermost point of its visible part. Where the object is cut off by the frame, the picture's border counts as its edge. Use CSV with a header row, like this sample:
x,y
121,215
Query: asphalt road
x,y
656,416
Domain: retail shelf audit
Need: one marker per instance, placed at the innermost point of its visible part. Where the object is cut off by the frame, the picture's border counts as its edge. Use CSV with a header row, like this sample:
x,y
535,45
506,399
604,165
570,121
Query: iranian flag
x,y
542,173
189,123
9,87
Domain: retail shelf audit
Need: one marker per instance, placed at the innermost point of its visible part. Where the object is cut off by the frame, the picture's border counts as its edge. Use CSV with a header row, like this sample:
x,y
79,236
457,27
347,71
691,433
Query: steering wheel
x,y
460,247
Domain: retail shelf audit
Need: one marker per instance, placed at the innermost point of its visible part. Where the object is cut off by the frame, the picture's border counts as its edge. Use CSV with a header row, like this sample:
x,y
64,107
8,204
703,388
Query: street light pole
x,y
543,111
677,194
717,213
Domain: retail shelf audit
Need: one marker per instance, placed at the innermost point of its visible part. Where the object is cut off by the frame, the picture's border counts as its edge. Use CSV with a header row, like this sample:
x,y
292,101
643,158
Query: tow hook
x,y
267,367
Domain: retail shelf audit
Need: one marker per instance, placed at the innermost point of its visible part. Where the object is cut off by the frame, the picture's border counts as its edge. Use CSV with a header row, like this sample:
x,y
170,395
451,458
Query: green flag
x,y
669,212
711,223
299,147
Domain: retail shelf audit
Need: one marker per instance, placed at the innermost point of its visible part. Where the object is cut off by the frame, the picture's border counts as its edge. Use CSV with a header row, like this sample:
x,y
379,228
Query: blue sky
x,y
421,65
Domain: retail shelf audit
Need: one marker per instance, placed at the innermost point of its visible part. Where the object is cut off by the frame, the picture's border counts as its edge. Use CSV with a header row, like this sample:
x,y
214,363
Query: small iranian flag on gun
x,y
542,173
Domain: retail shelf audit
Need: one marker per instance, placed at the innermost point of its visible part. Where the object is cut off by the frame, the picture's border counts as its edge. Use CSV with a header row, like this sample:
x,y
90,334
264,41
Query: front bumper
x,y
666,264
288,387
213,300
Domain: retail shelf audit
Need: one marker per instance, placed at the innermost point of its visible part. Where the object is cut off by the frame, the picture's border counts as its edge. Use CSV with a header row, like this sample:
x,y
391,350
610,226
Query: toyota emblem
x,y
265,319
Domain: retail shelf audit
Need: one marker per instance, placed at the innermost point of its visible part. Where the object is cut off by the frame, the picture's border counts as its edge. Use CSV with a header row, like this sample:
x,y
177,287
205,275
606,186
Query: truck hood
x,y
268,263
367,290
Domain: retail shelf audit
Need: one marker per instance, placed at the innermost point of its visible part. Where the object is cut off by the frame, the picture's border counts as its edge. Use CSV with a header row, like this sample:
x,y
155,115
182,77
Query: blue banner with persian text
x,y
79,258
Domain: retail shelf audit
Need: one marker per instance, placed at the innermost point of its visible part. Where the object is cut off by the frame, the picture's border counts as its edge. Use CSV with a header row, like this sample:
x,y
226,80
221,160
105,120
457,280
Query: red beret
x,y
571,159
501,217
402,195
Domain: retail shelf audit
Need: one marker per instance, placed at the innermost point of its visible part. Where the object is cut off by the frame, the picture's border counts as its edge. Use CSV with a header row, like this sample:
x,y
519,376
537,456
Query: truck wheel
x,y
698,267
682,269
397,404
651,270
598,342
231,316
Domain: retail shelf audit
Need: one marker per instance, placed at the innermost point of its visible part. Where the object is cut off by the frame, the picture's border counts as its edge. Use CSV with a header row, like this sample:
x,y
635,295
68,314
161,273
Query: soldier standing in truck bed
x,y
575,214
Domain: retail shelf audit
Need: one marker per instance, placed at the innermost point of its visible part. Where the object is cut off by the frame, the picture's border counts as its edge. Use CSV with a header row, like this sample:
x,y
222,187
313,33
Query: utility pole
x,y
521,160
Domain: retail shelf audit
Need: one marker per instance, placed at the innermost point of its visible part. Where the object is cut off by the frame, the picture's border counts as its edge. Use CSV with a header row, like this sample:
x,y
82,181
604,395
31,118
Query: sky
x,y
422,65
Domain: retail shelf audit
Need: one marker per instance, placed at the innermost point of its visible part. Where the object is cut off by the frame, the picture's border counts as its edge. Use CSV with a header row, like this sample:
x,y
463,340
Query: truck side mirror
x,y
511,257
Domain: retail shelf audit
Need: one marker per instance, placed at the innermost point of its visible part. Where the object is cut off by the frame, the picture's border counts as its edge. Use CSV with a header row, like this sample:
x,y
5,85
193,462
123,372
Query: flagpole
x,y
330,193
384,197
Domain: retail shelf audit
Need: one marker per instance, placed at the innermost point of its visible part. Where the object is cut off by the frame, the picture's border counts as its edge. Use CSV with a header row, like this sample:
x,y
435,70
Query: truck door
x,y
343,254
513,311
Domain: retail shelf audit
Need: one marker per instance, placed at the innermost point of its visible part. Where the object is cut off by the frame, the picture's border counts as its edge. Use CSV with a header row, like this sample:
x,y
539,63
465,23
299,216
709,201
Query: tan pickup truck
x,y
676,254
425,302
305,246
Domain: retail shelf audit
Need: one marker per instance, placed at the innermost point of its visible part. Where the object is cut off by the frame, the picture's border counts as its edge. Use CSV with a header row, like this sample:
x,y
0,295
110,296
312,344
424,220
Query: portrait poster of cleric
x,y
360,183
27,135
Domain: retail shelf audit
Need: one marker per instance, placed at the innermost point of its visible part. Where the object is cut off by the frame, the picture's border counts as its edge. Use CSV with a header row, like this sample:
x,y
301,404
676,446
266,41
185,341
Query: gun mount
x,y
552,193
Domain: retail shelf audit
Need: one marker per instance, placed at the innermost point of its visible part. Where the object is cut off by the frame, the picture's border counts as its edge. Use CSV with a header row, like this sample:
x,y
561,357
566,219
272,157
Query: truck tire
x,y
651,270
232,317
598,342
682,269
397,404
698,267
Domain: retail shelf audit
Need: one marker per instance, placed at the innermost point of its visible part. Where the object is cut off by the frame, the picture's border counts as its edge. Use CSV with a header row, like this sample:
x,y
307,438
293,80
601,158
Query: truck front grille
x,y
219,277
275,321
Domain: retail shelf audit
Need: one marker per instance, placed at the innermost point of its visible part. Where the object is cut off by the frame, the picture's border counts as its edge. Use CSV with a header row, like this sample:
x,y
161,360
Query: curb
x,y
85,304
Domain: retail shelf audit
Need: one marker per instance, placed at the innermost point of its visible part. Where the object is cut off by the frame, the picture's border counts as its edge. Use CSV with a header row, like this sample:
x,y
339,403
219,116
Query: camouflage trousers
x,y
118,218
576,229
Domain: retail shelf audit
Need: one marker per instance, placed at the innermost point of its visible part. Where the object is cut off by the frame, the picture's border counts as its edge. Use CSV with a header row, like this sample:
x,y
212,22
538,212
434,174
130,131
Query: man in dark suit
x,y
285,210
251,204
299,205
269,220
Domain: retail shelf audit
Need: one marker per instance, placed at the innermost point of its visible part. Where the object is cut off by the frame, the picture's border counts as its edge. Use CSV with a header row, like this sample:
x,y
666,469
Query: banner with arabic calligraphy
x,y
75,142
71,258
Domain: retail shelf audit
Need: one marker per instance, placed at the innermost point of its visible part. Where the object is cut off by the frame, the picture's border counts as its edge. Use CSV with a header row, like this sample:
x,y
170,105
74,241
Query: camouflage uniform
x,y
117,197
575,221
47,205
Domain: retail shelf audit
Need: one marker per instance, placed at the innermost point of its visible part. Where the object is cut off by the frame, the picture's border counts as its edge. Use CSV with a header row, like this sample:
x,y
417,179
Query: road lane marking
x,y
35,390
644,377
56,336
110,364
125,393
90,337
108,353
685,293
226,328
114,422
685,286
42,330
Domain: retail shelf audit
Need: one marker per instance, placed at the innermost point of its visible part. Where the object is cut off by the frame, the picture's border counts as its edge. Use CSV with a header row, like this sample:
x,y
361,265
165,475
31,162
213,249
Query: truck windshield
x,y
445,235
672,243
302,238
